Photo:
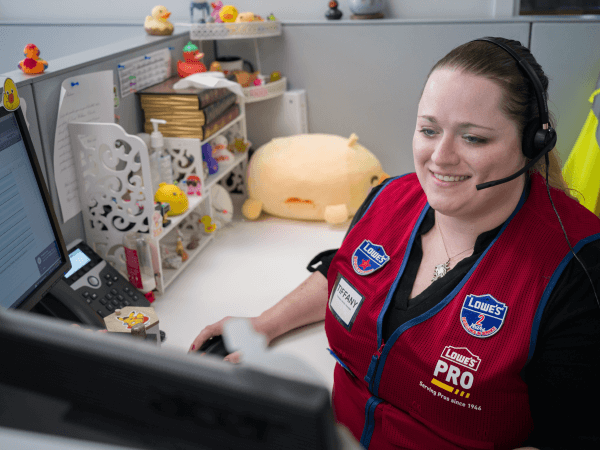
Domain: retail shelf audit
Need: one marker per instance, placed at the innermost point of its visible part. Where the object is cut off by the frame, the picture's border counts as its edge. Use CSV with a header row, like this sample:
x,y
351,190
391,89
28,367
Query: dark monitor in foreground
x,y
33,255
100,387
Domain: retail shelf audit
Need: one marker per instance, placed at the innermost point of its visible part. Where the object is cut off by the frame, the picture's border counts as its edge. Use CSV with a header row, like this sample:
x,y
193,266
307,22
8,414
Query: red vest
x,y
449,378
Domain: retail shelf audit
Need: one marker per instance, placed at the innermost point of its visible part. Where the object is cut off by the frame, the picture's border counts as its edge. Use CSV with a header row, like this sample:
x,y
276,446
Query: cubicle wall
x,y
360,77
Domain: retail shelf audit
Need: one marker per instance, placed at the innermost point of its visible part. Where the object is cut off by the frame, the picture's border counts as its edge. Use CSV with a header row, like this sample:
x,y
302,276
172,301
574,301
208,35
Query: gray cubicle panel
x,y
46,92
366,78
57,40
570,56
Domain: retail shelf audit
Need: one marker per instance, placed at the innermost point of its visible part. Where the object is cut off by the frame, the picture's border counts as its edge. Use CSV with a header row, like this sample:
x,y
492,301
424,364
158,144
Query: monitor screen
x,y
117,390
32,251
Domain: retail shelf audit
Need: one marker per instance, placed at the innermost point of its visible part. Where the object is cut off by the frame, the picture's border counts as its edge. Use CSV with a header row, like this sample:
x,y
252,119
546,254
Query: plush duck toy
x,y
32,64
157,24
216,10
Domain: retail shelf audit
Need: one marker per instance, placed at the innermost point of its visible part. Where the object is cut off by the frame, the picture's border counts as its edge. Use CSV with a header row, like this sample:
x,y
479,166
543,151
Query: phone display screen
x,y
78,260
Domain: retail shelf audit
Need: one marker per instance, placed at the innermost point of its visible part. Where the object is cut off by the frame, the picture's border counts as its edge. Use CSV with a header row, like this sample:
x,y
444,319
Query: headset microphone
x,y
539,138
549,146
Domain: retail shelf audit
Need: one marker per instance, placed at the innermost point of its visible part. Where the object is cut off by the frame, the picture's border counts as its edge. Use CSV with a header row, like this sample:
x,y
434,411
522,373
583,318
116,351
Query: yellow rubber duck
x,y
157,24
10,96
228,13
171,194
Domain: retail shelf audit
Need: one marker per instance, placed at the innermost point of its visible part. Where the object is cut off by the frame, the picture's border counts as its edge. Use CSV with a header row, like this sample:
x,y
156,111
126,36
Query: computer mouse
x,y
214,346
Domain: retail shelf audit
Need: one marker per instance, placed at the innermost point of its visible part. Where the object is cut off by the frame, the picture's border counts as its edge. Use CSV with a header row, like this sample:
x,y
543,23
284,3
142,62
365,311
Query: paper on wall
x,y
83,98
144,71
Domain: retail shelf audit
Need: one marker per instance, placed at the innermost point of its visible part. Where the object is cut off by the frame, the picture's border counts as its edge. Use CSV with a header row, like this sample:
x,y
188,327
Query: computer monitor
x,y
60,379
33,255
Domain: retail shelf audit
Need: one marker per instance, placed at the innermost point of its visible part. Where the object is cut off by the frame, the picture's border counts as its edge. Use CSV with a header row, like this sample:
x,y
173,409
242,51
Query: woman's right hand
x,y
216,329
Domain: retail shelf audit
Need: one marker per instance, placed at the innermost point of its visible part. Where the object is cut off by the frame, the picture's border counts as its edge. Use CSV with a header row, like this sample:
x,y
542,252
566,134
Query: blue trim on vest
x,y
549,288
367,433
437,308
340,362
390,294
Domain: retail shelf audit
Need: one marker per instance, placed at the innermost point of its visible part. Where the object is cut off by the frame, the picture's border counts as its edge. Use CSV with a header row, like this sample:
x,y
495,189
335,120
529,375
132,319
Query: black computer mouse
x,y
214,346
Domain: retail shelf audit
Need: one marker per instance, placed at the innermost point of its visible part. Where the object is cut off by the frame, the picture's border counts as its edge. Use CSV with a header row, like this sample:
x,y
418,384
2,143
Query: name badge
x,y
345,302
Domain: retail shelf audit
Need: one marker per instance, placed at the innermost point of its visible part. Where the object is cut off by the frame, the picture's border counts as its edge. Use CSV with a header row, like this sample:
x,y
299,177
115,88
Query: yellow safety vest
x,y
582,169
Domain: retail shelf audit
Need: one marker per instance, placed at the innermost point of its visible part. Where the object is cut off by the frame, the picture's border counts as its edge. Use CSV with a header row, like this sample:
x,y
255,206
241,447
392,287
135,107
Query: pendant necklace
x,y
442,269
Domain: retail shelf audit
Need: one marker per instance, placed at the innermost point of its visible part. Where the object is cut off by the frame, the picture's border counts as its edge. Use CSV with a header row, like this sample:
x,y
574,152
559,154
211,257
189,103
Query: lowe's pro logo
x,y
482,315
368,258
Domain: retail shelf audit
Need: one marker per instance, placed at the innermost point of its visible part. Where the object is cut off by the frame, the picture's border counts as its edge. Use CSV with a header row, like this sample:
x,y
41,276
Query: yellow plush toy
x,y
311,177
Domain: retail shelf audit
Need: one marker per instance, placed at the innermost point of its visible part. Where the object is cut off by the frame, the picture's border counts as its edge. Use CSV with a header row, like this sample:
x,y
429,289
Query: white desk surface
x,y
249,266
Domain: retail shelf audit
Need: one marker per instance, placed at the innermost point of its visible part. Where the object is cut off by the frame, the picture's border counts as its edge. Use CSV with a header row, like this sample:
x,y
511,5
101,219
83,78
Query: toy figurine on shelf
x,y
228,14
32,64
192,63
239,145
194,242
333,13
271,17
175,197
157,24
179,247
216,6
204,10
275,76
215,66
194,185
220,151
212,164
209,227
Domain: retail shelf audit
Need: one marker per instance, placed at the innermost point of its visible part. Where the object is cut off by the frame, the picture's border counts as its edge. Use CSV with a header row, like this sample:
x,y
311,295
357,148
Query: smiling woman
x,y
491,352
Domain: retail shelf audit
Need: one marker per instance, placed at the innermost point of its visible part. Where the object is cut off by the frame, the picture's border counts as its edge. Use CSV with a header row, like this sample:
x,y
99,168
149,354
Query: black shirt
x,y
563,377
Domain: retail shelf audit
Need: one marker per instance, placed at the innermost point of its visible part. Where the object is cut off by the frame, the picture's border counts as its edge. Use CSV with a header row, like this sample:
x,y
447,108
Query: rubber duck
x,y
157,24
192,63
228,13
32,64
10,96
333,13
215,66
216,6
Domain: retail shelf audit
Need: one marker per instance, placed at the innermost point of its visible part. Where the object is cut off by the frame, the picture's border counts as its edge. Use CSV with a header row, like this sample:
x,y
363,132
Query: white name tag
x,y
345,302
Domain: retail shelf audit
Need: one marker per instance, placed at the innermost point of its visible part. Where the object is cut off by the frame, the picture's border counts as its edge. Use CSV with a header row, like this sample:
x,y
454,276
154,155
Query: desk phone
x,y
97,283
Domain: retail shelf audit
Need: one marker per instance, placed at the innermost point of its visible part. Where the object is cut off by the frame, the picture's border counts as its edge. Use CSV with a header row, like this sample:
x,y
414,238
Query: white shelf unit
x,y
244,30
113,173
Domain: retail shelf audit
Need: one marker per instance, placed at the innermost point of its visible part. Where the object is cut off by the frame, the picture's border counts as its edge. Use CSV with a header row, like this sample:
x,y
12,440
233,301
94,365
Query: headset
x,y
539,138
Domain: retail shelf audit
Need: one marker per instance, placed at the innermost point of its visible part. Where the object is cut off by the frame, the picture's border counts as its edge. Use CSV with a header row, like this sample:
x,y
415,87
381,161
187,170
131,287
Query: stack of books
x,y
190,113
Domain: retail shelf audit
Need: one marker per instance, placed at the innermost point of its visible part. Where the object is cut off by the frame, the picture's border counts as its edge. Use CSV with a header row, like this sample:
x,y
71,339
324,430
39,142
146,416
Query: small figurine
x,y
175,197
194,185
275,76
192,63
215,66
271,17
333,13
32,64
204,9
212,164
248,17
239,145
194,241
179,248
209,227
228,13
216,6
157,24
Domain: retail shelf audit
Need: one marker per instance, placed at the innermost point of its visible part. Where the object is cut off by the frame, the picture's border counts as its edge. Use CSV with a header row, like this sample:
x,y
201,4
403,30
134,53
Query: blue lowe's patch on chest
x,y
368,258
482,315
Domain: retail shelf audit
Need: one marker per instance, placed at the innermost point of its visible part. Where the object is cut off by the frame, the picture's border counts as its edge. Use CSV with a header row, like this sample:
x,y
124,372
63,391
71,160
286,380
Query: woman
x,y
458,316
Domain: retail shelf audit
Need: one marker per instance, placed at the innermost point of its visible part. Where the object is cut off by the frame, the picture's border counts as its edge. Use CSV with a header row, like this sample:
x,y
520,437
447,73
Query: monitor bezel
x,y
39,292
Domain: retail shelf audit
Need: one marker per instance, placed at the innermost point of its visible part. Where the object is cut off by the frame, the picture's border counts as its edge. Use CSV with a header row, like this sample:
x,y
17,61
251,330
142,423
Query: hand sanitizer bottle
x,y
157,145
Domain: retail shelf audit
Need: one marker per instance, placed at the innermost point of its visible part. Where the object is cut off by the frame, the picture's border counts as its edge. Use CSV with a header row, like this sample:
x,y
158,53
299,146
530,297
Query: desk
x,y
248,267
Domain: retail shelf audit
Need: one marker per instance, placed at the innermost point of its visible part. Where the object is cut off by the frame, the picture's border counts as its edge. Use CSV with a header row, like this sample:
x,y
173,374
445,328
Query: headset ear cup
x,y
528,144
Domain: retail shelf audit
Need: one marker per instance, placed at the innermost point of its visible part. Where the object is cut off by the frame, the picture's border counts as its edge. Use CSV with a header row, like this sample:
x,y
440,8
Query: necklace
x,y
442,269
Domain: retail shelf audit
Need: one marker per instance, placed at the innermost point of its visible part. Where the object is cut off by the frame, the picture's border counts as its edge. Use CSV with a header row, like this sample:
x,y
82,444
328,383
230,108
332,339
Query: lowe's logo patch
x,y
482,315
368,258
